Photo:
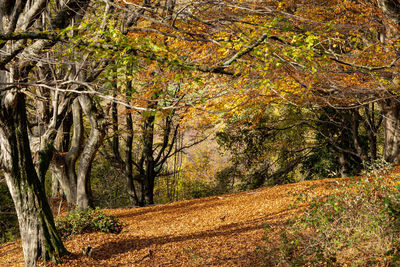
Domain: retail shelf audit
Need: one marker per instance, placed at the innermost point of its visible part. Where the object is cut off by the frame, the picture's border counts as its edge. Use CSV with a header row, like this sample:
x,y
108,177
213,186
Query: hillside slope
x,y
220,231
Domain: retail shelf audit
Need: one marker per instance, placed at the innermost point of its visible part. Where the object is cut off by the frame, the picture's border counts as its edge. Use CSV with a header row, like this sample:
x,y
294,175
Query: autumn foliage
x,y
275,91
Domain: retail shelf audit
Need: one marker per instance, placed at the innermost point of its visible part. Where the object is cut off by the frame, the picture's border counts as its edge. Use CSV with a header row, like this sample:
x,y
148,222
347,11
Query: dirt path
x,y
216,231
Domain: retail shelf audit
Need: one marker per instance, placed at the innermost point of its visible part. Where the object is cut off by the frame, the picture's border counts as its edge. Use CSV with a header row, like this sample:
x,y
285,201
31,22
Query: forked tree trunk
x,y
63,164
153,157
38,232
62,172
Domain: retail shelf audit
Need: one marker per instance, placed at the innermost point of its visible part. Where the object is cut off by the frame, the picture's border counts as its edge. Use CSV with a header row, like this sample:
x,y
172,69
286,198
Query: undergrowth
x,y
357,226
9,230
93,220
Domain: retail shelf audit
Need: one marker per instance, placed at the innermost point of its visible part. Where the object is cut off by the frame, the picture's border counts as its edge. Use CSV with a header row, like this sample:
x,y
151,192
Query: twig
x,y
148,255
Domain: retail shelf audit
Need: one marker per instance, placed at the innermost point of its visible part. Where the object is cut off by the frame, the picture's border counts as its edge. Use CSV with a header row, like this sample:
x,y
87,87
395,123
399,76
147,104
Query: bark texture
x,y
95,139
38,232
391,126
63,163
391,107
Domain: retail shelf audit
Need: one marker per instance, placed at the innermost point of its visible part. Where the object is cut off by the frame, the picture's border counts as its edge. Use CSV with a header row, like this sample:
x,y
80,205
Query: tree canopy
x,y
292,89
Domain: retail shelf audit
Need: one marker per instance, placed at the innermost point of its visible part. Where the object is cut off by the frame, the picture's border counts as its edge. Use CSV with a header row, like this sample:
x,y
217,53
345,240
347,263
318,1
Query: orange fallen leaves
x,y
222,230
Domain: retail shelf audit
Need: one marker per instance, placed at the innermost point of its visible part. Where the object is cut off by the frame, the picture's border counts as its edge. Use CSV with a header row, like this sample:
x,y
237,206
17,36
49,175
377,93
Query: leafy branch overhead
x,y
132,103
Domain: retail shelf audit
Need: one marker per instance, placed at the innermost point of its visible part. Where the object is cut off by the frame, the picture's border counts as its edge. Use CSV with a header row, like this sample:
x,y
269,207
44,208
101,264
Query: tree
x,y
19,22
391,106
347,141
150,134
327,54
299,52
303,53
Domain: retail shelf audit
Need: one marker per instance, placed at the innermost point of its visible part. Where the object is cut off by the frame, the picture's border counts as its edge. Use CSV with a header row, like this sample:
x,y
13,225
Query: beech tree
x,y
24,40
339,54
73,176
301,52
152,154
391,106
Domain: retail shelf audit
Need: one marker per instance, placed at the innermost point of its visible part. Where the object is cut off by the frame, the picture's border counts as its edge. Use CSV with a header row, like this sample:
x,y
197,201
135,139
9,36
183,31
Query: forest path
x,y
214,231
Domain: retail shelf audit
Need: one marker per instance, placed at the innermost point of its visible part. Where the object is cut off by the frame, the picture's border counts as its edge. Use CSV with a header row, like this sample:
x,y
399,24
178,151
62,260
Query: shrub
x,y
93,220
197,188
108,185
358,225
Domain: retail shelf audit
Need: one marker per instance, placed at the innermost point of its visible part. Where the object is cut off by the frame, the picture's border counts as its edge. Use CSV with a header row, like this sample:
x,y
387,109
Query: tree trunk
x,y
372,125
391,107
63,164
66,177
55,187
342,164
96,136
133,197
38,232
140,190
355,123
372,140
391,126
148,139
149,185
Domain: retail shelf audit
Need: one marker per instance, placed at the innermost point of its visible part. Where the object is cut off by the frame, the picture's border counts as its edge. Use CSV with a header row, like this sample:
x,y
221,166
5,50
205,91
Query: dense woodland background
x,y
134,103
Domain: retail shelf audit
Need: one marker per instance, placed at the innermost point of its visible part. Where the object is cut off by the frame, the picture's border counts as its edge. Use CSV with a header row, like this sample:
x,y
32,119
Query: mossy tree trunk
x,y
38,231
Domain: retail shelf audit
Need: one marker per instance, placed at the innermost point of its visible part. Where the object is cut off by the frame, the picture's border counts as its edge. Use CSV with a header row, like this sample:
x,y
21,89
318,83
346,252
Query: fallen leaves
x,y
221,231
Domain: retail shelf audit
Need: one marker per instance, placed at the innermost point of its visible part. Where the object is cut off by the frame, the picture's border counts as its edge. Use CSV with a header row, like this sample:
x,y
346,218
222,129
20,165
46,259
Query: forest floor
x,y
218,231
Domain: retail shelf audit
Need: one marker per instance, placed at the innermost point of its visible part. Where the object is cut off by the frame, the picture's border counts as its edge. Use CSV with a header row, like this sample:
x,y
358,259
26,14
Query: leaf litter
x,y
222,230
